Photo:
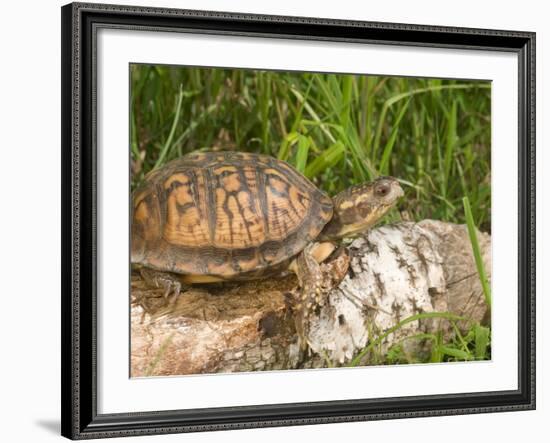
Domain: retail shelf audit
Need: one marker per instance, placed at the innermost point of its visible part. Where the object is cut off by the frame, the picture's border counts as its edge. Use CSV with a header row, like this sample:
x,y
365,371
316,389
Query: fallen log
x,y
393,272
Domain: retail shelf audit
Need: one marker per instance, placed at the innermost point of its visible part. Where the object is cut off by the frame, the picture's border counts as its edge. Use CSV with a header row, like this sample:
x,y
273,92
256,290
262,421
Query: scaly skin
x,y
311,293
169,282
355,211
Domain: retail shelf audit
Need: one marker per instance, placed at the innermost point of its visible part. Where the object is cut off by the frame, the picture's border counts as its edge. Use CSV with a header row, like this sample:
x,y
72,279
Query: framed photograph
x,y
273,221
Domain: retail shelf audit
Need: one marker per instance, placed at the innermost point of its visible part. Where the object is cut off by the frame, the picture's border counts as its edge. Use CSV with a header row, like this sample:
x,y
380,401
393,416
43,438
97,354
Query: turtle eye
x,y
382,190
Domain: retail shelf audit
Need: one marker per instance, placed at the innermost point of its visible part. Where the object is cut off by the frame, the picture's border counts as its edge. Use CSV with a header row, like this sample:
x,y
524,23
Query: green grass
x,y
473,345
418,317
433,135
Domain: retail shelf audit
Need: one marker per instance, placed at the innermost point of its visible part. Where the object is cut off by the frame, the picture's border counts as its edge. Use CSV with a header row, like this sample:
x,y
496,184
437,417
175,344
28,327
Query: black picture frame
x,y
79,174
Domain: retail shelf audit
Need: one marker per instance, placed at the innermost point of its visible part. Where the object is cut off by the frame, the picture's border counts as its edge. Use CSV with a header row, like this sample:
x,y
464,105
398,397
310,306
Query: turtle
x,y
233,216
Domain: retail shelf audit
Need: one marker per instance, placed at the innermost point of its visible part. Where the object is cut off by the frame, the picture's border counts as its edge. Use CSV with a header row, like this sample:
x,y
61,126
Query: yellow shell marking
x,y
186,223
286,205
145,218
238,220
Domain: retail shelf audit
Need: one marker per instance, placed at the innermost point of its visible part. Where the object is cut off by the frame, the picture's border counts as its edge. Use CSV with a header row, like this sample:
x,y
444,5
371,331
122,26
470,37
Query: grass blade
x,y
327,159
389,145
449,147
286,144
482,340
477,253
168,144
301,154
456,353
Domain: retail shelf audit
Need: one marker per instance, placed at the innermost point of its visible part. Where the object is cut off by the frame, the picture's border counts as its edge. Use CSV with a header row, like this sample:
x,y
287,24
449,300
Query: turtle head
x,y
359,207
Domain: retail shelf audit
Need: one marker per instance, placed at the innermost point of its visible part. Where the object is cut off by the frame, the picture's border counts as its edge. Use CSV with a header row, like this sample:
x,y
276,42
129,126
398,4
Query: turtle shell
x,y
225,214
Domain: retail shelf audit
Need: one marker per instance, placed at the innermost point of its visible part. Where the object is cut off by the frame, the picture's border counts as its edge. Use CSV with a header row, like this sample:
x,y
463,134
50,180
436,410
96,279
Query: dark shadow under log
x,y
395,271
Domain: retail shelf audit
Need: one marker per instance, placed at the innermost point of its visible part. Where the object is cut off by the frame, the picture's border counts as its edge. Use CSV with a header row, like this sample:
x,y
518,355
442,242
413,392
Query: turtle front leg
x,y
312,292
163,280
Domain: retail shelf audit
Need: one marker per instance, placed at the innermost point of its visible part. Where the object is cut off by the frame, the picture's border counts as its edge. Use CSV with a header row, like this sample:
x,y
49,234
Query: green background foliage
x,y
433,135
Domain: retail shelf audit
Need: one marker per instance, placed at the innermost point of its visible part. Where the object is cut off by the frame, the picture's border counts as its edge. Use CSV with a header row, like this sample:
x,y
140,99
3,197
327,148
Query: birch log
x,y
393,272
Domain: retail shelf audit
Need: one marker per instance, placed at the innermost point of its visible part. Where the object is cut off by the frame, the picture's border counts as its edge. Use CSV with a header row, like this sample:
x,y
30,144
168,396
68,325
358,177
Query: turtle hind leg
x,y
164,280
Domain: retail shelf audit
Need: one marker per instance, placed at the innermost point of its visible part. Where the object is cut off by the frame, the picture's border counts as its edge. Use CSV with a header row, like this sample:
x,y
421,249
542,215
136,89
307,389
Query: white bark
x,y
395,271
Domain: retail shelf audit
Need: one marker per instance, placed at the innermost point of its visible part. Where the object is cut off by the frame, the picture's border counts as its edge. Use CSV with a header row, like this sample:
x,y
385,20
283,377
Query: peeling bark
x,y
395,271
